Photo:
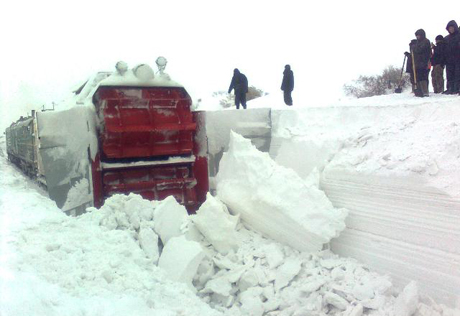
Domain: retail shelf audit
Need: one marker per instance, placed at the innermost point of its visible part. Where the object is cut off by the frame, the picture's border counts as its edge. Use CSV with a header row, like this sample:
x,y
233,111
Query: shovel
x,y
399,88
417,91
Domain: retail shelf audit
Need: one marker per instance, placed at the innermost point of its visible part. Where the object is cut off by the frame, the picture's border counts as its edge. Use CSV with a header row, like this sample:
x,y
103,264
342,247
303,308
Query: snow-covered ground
x,y
105,262
391,161
52,264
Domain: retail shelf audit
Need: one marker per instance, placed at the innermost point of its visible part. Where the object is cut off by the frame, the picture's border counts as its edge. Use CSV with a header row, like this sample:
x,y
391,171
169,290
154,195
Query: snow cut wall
x,y
397,170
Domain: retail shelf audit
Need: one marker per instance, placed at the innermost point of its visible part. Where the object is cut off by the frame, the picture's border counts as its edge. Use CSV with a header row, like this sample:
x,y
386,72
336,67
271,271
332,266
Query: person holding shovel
x,y
421,54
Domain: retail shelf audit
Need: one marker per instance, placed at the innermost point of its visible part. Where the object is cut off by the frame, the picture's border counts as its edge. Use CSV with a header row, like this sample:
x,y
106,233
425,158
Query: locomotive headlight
x,y
144,72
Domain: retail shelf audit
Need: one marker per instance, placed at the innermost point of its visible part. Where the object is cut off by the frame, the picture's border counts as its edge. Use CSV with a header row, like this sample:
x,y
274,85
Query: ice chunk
x,y
274,200
336,301
354,310
375,303
248,279
330,263
181,258
313,285
217,225
407,301
274,255
251,302
287,272
224,262
148,241
363,291
220,285
169,217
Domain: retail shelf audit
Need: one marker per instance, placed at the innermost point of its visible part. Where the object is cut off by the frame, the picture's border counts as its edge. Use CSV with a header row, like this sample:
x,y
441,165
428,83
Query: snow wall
x,y
396,169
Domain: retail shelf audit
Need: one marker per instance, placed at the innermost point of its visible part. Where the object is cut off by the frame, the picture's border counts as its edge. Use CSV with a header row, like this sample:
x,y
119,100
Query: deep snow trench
x,y
135,257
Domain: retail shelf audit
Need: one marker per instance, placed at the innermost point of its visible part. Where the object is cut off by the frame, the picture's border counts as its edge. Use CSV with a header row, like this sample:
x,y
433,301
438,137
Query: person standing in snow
x,y
421,49
438,61
240,85
452,58
288,84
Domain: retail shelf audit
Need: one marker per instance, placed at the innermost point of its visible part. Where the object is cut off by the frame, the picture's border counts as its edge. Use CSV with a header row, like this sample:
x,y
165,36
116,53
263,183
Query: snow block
x,y
180,259
169,217
274,200
287,272
124,212
217,225
406,303
148,241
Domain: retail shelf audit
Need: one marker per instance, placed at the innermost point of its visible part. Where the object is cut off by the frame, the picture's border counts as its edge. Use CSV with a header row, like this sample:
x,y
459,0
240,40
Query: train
x,y
127,131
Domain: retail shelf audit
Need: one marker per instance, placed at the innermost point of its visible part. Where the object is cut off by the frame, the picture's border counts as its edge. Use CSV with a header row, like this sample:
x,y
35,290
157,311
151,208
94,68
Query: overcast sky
x,y
48,47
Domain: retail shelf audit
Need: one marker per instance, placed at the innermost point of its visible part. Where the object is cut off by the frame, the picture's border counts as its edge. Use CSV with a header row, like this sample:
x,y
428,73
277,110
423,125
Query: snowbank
x,y
275,200
393,162
52,264
101,262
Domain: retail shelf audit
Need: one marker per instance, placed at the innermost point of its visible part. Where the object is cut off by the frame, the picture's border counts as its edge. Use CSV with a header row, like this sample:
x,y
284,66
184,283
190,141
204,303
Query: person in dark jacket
x,y
288,84
421,49
240,85
438,62
452,58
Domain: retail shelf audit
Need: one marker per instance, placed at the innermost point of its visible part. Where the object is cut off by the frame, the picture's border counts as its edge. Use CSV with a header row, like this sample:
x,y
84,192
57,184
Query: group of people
x,y
425,57
240,85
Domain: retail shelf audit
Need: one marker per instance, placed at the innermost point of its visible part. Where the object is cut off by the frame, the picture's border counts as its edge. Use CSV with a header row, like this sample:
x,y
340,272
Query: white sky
x,y
50,46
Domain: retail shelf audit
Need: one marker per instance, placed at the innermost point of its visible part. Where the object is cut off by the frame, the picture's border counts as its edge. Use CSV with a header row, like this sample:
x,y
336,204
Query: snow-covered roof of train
x,y
140,76
22,122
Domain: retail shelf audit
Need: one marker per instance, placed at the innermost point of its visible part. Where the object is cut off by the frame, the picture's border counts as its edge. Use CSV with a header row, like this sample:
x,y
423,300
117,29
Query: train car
x,y
21,144
131,131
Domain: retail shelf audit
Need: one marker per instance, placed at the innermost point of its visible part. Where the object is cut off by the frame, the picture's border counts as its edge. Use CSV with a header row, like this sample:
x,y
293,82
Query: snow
x,y
180,259
392,161
140,76
169,218
216,224
407,301
148,241
79,194
402,224
102,262
275,200
254,124
52,264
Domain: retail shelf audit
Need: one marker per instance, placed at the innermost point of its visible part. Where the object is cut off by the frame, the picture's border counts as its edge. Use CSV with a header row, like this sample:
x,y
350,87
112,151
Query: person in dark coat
x,y
421,49
452,58
288,84
240,85
438,62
